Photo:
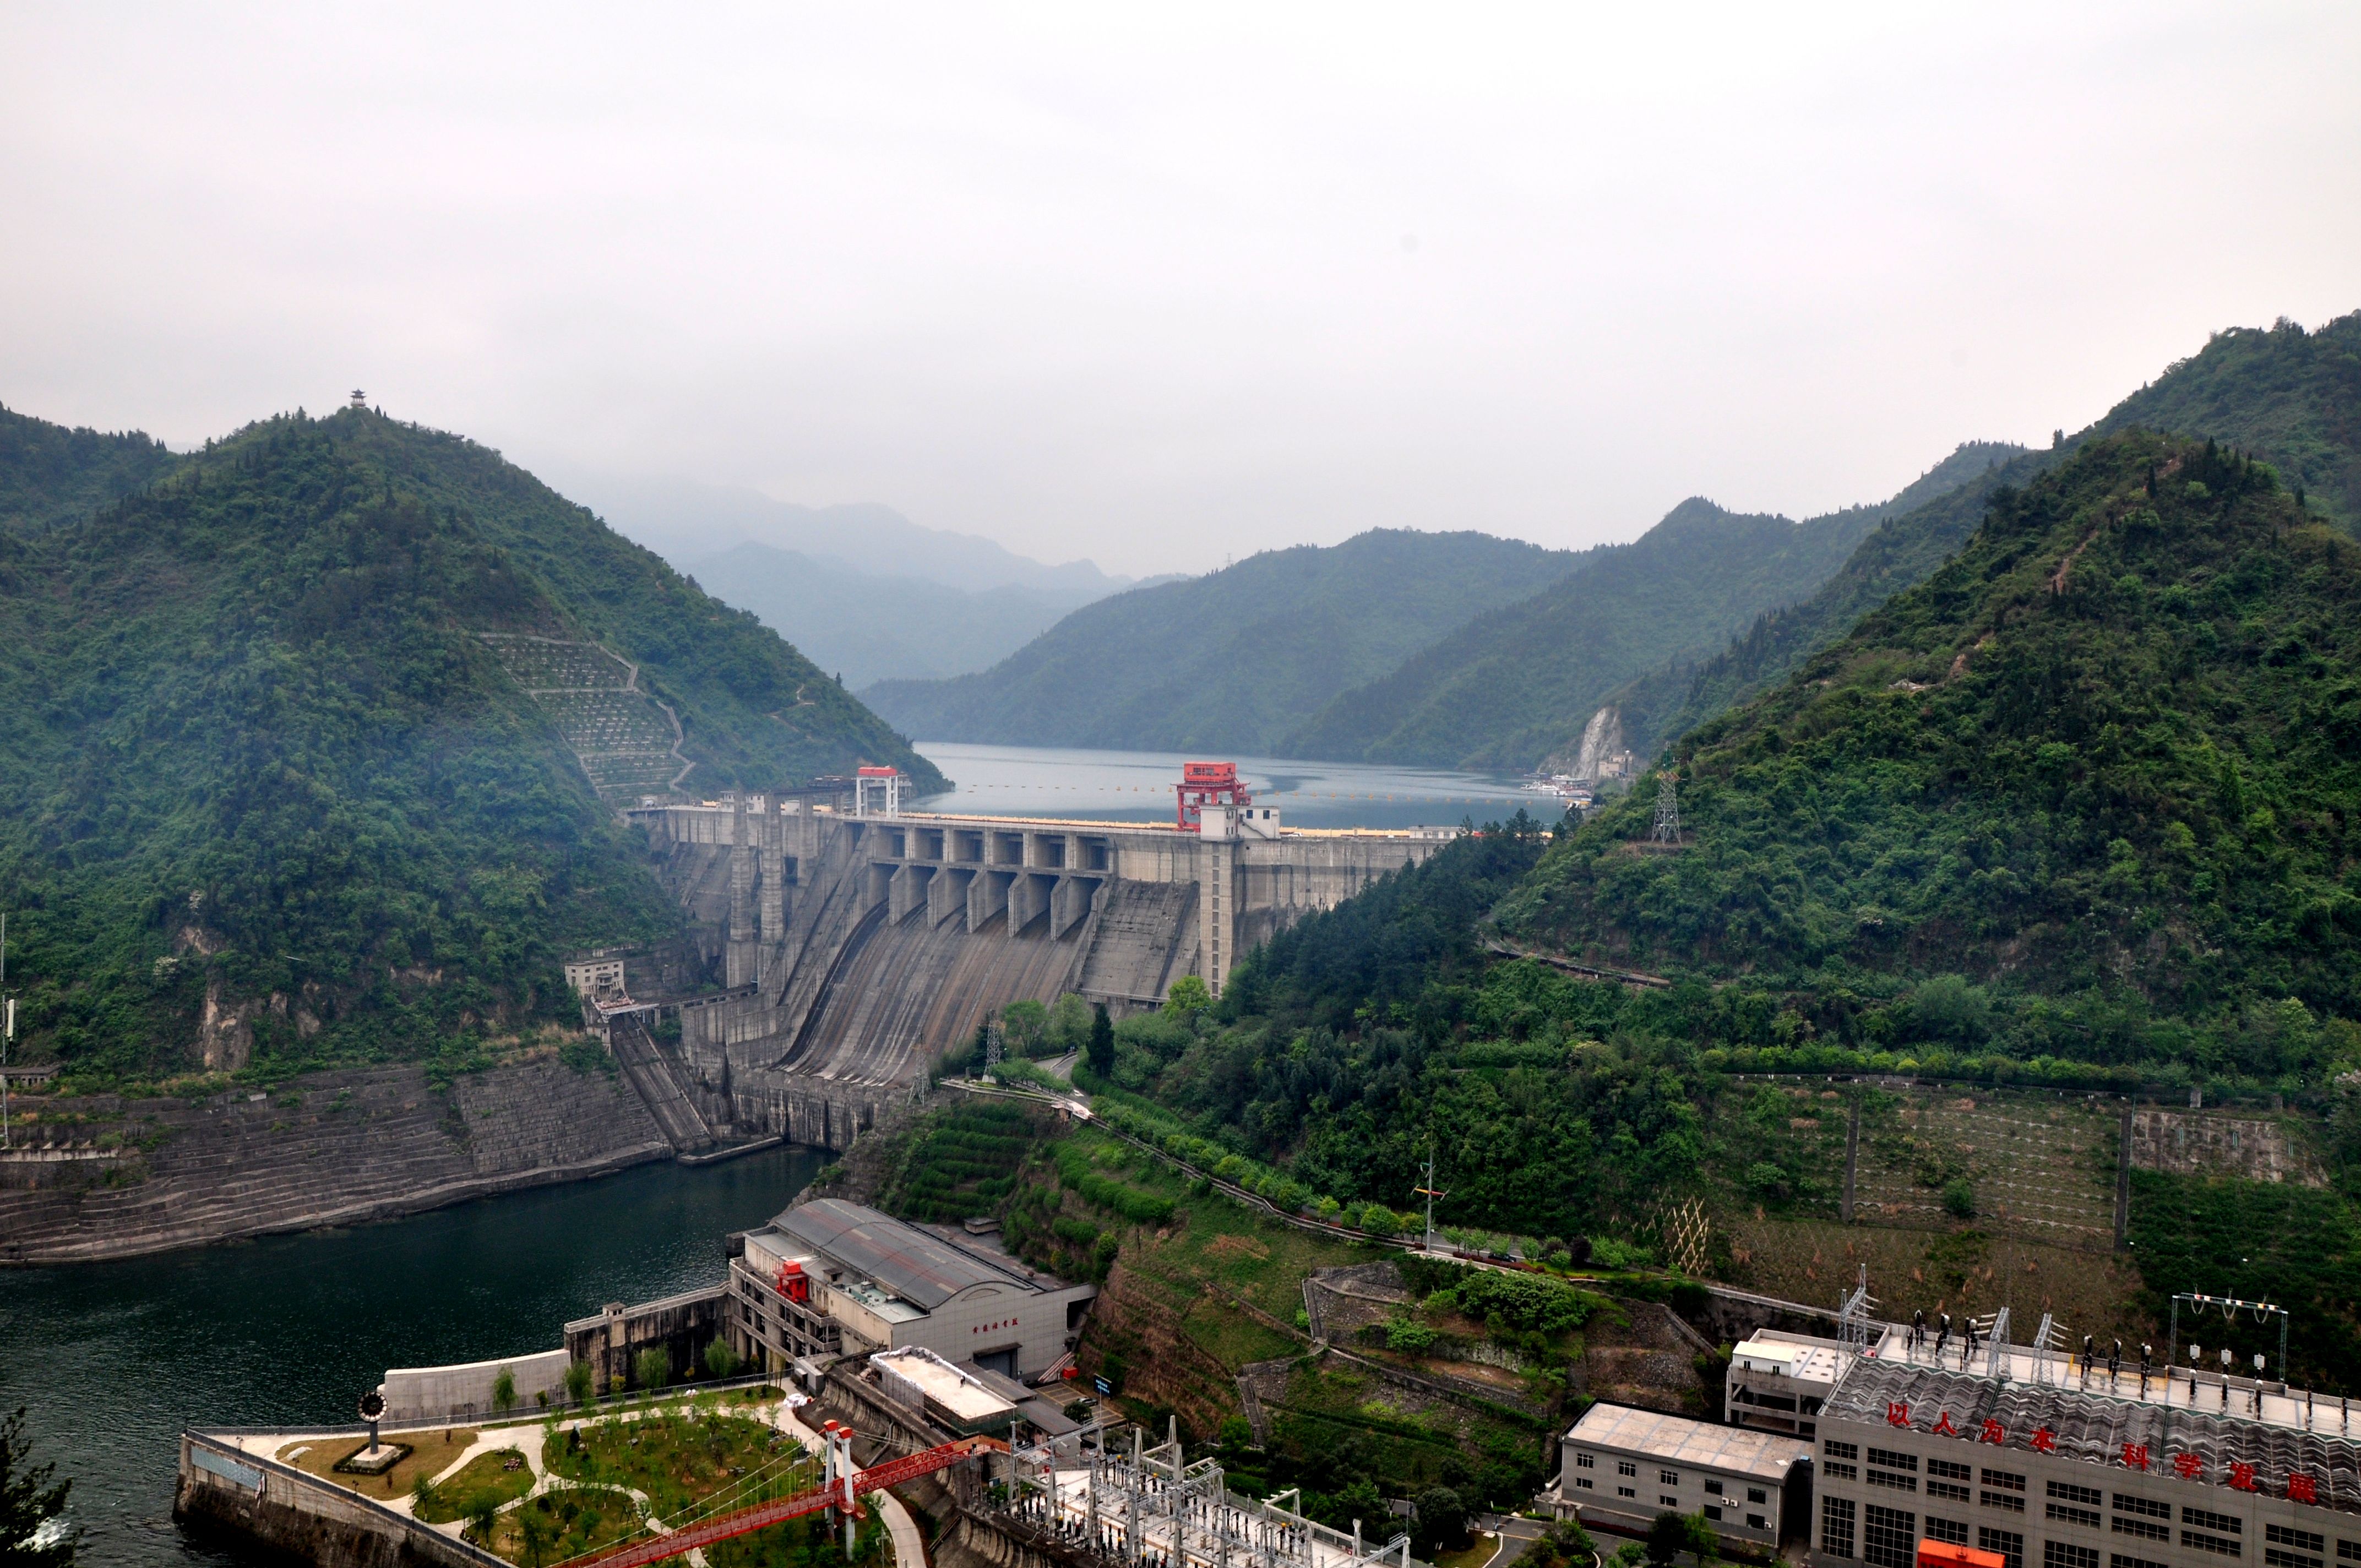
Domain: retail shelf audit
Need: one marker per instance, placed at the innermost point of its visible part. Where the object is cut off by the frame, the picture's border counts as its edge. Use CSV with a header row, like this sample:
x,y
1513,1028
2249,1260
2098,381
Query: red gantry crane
x,y
1207,783
842,1492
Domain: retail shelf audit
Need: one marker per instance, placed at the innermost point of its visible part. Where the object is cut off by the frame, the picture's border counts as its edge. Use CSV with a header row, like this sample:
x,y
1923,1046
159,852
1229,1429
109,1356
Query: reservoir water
x,y
1137,786
113,1359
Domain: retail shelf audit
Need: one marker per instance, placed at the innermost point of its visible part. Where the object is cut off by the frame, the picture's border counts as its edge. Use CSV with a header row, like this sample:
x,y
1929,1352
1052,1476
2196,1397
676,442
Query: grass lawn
x,y
430,1452
1486,1548
487,1477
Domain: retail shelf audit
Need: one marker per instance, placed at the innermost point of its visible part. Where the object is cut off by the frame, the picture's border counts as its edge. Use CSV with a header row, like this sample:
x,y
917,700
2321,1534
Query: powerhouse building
x,y
832,1277
1888,1454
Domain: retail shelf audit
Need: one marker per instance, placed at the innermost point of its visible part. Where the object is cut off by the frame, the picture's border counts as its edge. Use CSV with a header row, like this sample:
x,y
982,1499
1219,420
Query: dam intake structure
x,y
858,942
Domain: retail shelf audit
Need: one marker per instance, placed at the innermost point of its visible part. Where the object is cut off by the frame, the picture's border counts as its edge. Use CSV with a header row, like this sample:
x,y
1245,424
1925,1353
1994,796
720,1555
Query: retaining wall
x,y
280,1507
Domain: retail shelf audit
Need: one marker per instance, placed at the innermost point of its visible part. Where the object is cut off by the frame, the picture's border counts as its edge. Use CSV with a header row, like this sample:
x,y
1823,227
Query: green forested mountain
x,y
271,795
1234,661
49,474
2290,397
2088,791
1678,696
1514,686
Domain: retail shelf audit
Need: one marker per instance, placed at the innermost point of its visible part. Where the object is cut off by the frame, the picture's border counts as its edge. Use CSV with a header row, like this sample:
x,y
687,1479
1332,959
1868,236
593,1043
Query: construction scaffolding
x,y
1151,1506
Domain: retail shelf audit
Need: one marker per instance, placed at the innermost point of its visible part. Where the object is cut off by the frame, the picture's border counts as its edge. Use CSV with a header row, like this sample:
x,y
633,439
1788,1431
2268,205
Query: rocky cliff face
x,y
105,1176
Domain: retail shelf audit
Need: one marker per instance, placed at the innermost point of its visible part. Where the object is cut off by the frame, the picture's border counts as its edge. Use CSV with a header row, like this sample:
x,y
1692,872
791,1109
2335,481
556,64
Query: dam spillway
x,y
856,947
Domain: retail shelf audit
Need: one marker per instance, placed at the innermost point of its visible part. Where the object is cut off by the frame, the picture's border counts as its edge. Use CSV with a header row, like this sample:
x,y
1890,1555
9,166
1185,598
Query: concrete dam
x,y
858,945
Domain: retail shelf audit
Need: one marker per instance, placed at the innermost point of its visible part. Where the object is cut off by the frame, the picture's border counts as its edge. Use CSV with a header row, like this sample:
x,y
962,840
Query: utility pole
x,y
8,1028
1430,1194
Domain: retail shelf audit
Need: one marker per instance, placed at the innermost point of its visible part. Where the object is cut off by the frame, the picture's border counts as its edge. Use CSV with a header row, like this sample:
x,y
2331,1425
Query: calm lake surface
x,y
1137,786
113,1359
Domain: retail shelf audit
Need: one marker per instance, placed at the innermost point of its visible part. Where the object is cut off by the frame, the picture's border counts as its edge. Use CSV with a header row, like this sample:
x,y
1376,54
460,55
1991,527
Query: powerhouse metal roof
x,y
2297,1435
921,1268
1676,1440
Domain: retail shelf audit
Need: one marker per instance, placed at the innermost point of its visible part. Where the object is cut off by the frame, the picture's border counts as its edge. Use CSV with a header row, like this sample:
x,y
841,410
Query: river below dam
x,y
1137,786
112,1359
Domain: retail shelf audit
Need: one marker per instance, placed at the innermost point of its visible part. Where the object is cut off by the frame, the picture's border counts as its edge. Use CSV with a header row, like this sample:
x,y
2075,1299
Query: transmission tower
x,y
1668,810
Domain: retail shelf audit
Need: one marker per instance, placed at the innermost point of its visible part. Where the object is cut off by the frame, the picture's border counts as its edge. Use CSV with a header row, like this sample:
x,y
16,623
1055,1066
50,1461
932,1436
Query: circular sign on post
x,y
372,1405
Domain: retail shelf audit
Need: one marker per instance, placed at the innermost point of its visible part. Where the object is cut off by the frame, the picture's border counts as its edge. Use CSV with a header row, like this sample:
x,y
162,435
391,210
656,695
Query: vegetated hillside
x,y
49,474
866,628
2290,397
270,798
1514,687
1235,661
1676,697
2087,791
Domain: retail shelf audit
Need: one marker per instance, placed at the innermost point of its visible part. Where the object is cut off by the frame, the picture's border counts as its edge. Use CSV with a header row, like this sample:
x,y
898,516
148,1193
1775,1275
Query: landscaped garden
x,y
683,1455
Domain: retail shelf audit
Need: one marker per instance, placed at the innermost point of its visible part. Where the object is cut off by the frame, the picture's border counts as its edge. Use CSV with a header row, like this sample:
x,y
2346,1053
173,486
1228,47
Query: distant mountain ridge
x,y
2290,397
864,591
869,627
49,474
1518,685
1235,661
682,520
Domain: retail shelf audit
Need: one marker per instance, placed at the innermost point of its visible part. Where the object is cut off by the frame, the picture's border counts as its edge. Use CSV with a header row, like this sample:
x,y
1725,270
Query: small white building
x,y
1778,1382
1620,1467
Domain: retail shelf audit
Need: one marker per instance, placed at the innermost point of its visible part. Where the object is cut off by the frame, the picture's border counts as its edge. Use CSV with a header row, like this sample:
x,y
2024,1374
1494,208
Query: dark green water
x,y
113,1359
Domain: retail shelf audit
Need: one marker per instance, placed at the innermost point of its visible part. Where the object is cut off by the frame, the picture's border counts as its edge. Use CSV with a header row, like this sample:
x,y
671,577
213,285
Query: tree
x,y
1100,1052
533,1525
1188,997
1672,1534
1441,1521
654,1368
577,1382
1070,1025
1026,1023
482,1517
504,1391
32,1510
720,1360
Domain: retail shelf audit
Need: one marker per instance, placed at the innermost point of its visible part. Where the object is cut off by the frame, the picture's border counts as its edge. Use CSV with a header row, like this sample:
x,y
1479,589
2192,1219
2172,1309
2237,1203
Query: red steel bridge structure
x,y
841,1493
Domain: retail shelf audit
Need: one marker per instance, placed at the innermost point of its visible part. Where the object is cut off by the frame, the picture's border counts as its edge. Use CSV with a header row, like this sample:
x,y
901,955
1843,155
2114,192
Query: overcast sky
x,y
1158,286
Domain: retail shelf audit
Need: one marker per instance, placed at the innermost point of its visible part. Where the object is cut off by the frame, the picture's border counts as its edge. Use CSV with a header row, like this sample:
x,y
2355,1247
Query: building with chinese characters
x,y
2053,1463
2037,1457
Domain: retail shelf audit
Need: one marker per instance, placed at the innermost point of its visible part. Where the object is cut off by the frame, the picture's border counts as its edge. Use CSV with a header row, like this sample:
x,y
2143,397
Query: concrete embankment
x,y
105,1176
223,1486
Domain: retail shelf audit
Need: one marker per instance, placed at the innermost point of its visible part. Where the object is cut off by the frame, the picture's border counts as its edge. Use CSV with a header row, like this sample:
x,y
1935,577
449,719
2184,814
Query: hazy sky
x,y
1158,286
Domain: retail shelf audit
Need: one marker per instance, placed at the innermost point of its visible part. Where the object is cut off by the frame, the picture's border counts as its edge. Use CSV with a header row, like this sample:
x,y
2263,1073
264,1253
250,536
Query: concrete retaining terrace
x,y
328,1148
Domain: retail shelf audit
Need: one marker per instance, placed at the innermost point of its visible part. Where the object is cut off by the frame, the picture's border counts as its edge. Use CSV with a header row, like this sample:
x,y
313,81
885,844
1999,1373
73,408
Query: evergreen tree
x,y
1101,1050
29,1505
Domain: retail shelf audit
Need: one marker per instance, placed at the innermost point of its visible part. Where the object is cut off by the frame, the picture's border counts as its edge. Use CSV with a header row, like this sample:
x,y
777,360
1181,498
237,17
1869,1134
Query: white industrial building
x,y
833,1278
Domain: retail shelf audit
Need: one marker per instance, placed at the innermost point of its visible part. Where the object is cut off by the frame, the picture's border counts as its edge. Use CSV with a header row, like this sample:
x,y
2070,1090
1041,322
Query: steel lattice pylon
x,y
1668,810
1151,1506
